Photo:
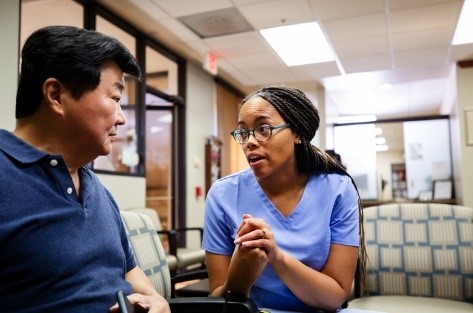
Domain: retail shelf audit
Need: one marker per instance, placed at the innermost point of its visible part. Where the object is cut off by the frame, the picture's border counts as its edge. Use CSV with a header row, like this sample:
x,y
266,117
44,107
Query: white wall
x,y
426,159
200,123
128,191
384,160
9,35
463,162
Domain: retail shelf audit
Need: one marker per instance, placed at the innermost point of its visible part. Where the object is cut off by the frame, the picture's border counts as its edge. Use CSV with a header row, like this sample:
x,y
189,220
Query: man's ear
x,y
52,93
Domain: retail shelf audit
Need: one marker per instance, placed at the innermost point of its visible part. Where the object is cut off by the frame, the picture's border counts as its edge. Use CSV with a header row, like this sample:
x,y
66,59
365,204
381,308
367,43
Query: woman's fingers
x,y
252,229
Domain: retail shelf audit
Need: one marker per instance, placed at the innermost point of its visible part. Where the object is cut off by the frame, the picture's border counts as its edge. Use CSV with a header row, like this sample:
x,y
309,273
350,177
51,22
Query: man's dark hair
x,y
70,54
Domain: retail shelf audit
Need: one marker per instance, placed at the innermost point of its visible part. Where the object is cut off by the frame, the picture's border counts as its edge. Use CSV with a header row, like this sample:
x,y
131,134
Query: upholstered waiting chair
x,y
149,252
150,256
179,258
418,252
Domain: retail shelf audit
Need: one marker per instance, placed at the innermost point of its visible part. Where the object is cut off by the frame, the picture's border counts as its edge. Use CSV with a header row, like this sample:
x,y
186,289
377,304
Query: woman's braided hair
x,y
299,112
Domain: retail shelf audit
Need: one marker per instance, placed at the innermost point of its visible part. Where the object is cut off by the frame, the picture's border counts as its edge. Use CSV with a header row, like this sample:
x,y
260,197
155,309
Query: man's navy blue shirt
x,y
58,252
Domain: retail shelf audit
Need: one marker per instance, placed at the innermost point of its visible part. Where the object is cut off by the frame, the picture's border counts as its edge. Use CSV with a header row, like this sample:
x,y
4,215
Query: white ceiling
x,y
402,42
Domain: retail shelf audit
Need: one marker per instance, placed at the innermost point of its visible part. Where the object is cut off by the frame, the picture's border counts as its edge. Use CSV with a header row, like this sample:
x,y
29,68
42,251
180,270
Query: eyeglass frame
x,y
252,132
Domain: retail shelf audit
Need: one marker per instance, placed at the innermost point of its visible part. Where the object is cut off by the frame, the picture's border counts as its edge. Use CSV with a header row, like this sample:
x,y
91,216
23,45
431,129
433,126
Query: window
x,y
161,72
161,83
159,162
125,157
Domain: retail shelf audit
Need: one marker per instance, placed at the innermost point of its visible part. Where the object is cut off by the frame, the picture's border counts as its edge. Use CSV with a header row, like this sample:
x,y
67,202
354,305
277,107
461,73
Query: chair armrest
x,y
173,234
191,275
187,229
172,240
187,276
212,305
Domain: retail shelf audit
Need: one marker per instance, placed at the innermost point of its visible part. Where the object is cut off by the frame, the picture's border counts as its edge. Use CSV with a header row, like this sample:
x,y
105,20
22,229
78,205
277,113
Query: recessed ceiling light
x,y
299,44
463,33
380,140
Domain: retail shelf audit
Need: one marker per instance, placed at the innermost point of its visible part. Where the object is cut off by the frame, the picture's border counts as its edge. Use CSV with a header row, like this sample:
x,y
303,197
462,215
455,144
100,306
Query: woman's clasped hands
x,y
256,233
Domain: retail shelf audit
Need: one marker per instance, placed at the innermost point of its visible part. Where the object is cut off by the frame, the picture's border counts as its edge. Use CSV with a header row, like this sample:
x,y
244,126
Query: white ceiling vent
x,y
216,23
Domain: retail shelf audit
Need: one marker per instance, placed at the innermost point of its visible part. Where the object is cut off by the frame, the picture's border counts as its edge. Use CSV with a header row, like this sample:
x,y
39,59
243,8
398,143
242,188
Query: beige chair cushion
x,y
187,257
410,304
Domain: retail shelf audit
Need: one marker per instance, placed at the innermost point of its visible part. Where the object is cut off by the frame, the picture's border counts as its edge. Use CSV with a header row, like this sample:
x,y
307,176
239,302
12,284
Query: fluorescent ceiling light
x,y
356,119
380,148
463,33
299,44
385,86
156,129
167,118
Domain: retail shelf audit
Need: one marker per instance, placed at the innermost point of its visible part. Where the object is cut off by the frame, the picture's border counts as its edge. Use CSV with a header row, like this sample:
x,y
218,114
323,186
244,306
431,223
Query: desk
x,y
348,310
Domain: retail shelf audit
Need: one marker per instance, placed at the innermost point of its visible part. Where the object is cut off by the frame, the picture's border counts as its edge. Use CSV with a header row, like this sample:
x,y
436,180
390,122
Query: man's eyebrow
x,y
120,86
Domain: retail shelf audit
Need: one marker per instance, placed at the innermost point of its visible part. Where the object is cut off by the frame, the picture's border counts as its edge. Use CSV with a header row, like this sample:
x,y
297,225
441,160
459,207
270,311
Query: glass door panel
x,y
159,163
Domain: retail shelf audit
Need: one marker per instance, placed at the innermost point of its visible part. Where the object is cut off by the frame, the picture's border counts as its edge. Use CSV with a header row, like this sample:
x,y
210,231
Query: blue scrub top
x,y
326,213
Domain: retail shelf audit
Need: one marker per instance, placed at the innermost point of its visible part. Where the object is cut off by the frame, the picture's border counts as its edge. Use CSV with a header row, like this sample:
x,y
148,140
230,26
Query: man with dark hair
x,y
63,247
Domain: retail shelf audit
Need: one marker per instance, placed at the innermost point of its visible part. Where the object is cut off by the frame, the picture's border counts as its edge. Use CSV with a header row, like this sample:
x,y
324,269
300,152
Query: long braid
x,y
298,111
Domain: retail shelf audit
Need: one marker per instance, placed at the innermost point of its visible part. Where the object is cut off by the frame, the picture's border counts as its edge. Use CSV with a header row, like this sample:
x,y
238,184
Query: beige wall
x,y
9,34
200,123
463,155
129,192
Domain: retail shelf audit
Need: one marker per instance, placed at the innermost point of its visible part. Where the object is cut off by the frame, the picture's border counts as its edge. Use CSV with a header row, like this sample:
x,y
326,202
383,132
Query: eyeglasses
x,y
261,133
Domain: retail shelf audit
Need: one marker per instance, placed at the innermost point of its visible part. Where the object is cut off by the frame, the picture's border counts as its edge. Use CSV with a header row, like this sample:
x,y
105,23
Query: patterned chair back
x,y
419,249
149,252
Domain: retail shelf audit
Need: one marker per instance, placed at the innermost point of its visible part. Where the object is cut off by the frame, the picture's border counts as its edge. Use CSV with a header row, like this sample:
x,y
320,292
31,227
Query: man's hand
x,y
144,303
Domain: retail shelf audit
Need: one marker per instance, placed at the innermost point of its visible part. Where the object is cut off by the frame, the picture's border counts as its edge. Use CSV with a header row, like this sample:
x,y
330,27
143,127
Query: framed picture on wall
x,y
213,150
442,189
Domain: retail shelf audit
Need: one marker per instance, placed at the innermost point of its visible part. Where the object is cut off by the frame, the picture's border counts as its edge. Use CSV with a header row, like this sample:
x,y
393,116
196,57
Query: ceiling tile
x,y
361,47
277,13
231,44
146,6
442,16
419,58
315,71
421,40
402,4
178,8
331,10
178,28
263,68
367,63
353,28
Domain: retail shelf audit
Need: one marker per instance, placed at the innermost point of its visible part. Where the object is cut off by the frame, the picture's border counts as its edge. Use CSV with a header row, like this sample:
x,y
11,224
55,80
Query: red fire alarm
x,y
198,192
